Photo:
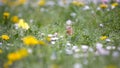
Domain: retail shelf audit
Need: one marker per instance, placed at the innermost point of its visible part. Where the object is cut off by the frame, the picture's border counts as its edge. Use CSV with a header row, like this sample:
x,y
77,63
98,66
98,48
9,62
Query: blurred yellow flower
x,y
111,66
21,1
5,37
54,66
30,40
1,51
14,56
41,2
17,55
6,15
23,52
41,42
7,64
114,4
103,6
103,37
15,19
23,24
77,3
48,39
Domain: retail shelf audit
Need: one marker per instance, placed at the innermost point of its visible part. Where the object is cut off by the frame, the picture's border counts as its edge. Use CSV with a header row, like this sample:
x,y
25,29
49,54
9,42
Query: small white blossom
x,y
98,8
112,7
50,35
30,50
52,42
31,20
77,65
0,43
108,40
86,7
73,14
69,22
108,47
99,45
101,25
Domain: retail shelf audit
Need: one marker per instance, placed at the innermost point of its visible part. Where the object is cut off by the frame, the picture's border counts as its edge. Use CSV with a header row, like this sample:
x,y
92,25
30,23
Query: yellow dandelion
x,y
77,3
5,37
30,40
23,24
14,56
103,37
1,51
41,2
6,15
114,4
103,6
15,19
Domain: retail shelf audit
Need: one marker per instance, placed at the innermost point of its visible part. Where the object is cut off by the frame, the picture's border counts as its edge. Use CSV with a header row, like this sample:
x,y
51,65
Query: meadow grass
x,y
67,52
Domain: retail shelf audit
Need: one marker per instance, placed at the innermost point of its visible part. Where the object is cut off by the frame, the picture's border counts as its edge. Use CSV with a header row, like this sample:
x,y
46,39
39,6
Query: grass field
x,y
42,35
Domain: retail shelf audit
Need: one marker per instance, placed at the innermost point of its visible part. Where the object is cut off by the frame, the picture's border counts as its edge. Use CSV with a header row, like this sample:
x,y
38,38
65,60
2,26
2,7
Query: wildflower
x,y
108,40
101,25
84,48
77,3
103,6
100,50
41,2
15,19
73,14
6,15
103,37
114,5
5,37
17,55
69,22
30,50
23,24
86,7
30,40
52,42
14,56
1,51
